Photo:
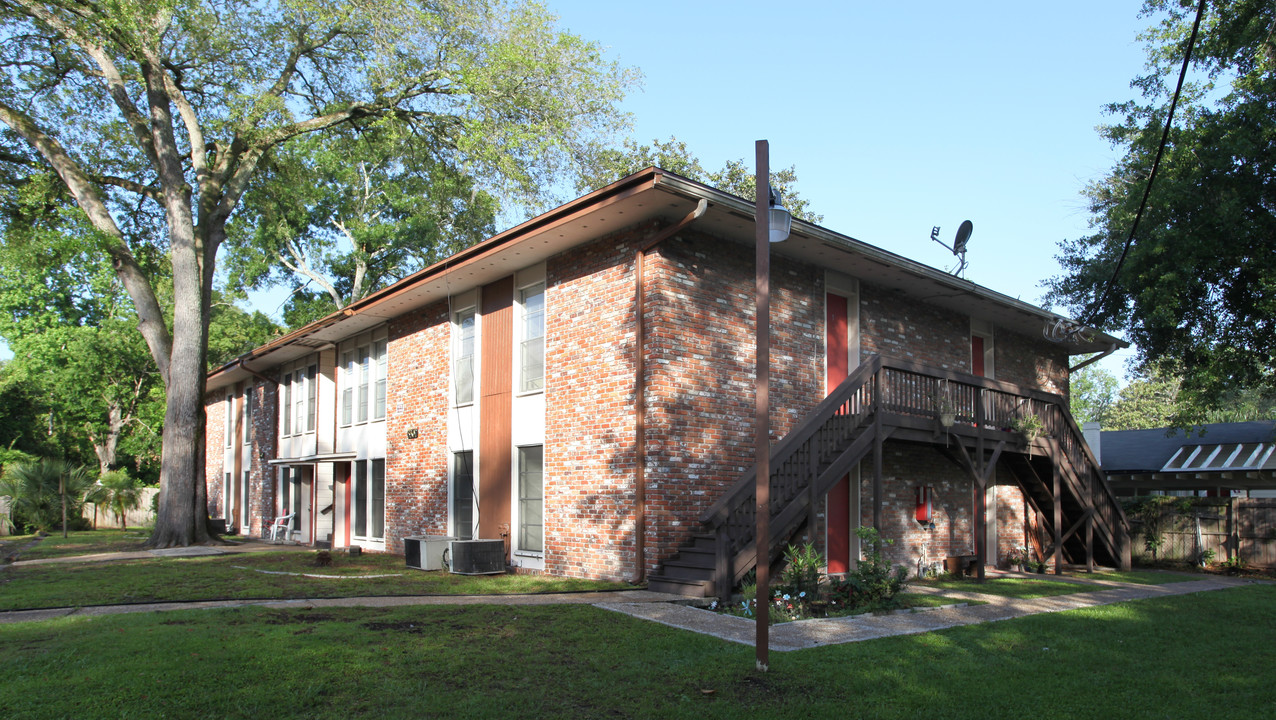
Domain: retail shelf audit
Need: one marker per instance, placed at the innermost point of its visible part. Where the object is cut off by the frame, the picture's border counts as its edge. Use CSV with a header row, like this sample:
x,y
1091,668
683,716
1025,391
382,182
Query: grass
x,y
1140,577
83,542
250,575
1022,588
1197,655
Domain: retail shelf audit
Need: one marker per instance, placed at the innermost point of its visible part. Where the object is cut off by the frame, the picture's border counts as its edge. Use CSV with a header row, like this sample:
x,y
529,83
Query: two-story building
x,y
581,386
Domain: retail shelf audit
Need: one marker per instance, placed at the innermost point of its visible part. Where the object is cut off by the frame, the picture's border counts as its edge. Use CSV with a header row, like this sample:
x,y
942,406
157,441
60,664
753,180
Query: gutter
x,y
640,389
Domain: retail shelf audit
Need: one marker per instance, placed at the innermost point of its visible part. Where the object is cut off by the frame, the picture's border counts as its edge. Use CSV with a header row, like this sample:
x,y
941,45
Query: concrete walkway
x,y
676,611
832,631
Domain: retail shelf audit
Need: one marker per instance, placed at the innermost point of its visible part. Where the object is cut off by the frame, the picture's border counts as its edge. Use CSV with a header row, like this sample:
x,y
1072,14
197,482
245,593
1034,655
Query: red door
x,y
837,360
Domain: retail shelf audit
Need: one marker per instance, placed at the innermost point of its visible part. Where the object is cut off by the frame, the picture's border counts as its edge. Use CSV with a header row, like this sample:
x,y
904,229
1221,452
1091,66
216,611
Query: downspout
x,y
640,390
1111,349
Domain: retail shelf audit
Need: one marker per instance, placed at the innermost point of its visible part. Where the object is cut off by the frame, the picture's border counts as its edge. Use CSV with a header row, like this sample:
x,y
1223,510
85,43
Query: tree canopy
x,y
1198,286
342,214
156,116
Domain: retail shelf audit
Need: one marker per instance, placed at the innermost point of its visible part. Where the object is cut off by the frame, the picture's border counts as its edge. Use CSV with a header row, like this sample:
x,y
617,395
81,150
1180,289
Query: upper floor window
x,y
463,357
248,415
230,419
299,390
532,341
363,381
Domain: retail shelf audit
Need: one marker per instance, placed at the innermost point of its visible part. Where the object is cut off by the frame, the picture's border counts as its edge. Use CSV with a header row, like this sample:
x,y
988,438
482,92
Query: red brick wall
x,y
896,326
1034,362
1011,532
590,336
261,482
261,479
418,367
701,355
904,467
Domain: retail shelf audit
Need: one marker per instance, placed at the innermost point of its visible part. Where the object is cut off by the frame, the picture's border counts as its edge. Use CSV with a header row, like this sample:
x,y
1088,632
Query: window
x,y
463,495
530,499
463,358
363,382
285,492
312,392
532,347
286,411
299,391
369,499
230,420
248,415
347,389
302,383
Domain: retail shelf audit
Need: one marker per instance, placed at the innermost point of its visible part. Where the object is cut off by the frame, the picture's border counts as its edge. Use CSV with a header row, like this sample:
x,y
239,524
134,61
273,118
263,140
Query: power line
x,y
1160,150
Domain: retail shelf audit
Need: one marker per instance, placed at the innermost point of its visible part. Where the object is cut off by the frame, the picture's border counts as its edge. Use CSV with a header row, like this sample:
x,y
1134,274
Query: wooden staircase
x,y
885,399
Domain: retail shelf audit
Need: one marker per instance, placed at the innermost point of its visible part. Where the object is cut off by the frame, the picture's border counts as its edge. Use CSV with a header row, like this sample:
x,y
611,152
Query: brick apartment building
x,y
509,392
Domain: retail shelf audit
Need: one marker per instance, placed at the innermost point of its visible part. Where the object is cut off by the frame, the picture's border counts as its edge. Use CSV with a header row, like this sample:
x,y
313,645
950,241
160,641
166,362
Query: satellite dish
x,y
963,235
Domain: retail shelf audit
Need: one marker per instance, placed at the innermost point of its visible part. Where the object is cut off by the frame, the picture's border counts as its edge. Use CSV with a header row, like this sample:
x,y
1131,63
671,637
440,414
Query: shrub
x,y
802,572
873,582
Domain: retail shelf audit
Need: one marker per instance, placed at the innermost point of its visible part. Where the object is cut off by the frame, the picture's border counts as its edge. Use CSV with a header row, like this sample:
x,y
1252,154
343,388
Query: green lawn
x,y
1204,655
83,542
250,576
1022,588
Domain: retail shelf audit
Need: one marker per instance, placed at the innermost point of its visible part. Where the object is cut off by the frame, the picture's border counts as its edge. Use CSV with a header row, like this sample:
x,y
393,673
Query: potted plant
x,y
1015,558
1029,426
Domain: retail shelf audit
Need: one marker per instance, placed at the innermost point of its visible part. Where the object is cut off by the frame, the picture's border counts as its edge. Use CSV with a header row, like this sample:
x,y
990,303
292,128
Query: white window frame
x,y
462,477
519,546
527,326
464,353
364,479
248,415
230,419
363,379
299,398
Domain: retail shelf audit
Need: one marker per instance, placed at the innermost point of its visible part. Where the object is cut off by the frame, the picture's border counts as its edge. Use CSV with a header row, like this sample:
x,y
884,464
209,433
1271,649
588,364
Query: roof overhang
x,y
315,459
650,196
1237,480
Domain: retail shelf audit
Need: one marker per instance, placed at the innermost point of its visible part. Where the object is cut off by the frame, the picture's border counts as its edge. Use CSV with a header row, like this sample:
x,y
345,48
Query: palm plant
x,y
122,493
46,491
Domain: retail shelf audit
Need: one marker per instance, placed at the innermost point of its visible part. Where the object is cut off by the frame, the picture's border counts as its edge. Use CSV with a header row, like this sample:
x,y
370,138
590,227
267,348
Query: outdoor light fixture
x,y
779,220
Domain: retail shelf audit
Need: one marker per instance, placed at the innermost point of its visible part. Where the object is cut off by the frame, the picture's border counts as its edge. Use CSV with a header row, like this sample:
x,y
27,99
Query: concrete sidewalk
x,y
833,631
677,611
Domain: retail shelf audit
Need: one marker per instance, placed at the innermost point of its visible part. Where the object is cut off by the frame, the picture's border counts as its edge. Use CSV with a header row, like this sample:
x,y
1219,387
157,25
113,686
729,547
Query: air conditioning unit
x,y
476,557
425,552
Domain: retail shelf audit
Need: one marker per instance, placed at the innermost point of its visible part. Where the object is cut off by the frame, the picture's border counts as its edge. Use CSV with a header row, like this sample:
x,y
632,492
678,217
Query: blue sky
x,y
897,116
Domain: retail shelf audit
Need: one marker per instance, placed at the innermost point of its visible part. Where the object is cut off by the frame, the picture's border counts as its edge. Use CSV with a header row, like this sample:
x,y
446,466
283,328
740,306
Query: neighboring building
x,y
1212,460
510,390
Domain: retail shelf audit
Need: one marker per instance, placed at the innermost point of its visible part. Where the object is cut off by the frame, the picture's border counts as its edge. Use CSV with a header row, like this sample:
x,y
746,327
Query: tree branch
x,y
111,76
150,317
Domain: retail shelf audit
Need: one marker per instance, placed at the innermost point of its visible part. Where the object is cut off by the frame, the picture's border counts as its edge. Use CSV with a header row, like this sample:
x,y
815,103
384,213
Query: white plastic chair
x,y
283,523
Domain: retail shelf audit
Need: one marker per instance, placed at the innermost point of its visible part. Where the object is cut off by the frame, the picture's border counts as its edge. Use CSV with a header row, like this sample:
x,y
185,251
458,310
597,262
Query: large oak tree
x,y
1197,287
173,105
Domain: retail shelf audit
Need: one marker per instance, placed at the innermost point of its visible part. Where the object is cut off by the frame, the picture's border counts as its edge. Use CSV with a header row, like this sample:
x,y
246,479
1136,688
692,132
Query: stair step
x,y
702,542
698,560
680,586
686,572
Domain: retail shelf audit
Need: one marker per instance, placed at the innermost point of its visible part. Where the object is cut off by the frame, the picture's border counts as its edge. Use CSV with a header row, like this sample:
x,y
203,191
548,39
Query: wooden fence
x,y
1231,527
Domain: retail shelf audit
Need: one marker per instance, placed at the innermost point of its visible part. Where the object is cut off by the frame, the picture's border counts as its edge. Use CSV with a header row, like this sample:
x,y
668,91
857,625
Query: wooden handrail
x,y
903,390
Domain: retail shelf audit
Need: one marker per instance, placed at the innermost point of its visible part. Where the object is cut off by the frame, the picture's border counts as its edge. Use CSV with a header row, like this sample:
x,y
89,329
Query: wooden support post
x,y
877,471
1058,518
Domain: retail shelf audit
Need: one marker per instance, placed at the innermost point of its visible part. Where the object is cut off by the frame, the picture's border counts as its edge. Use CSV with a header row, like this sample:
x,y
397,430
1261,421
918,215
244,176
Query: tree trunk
x,y
104,446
